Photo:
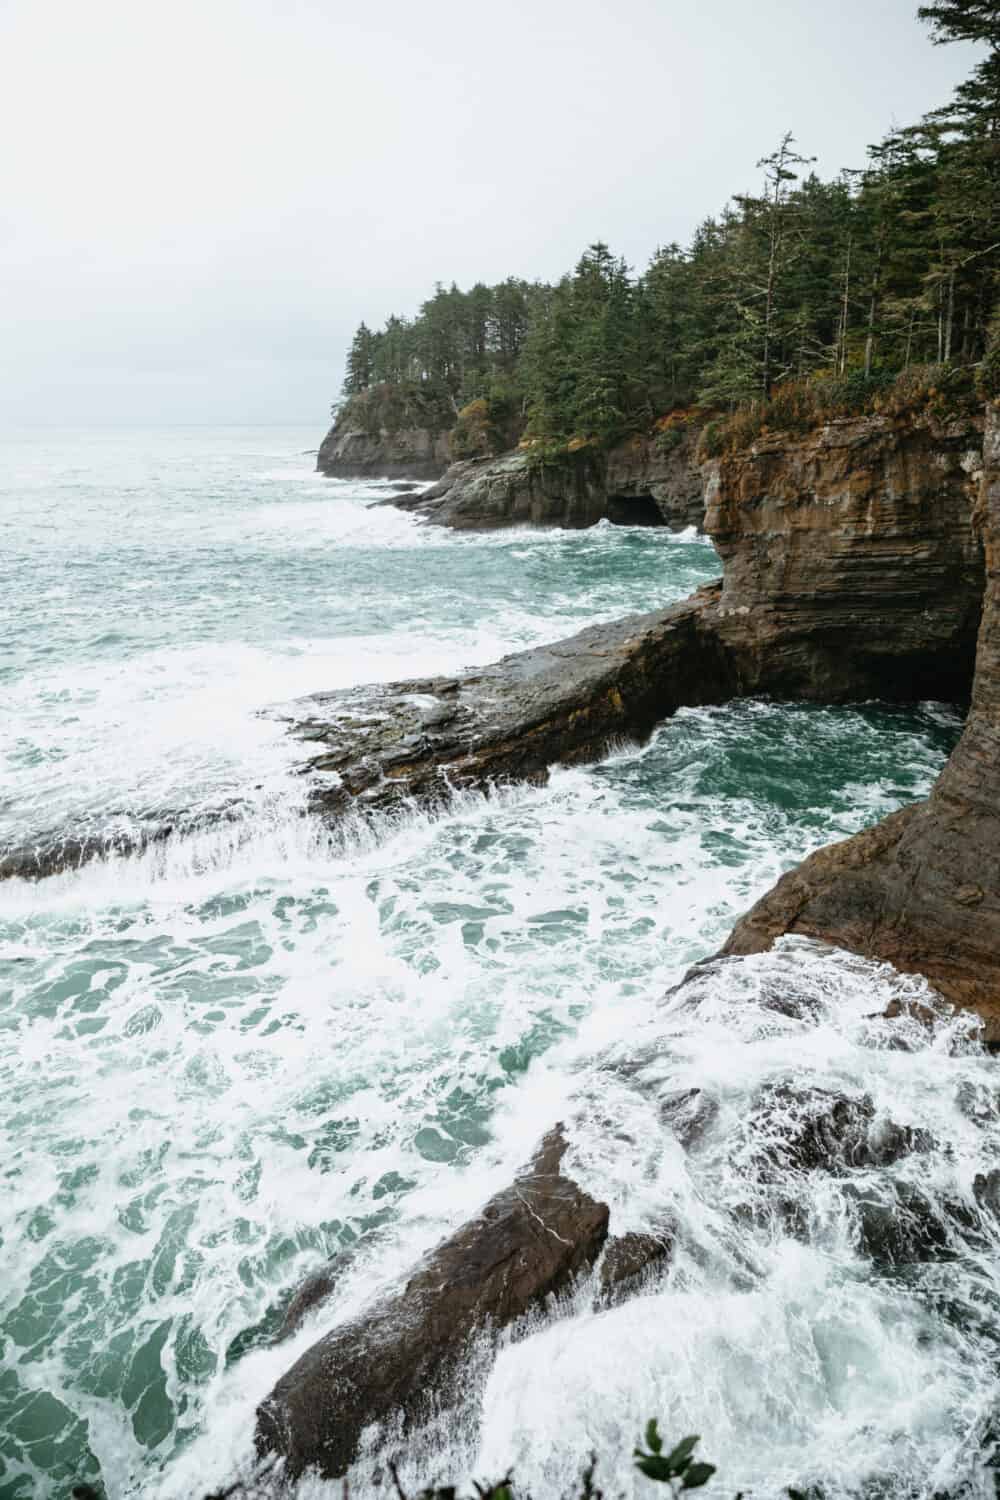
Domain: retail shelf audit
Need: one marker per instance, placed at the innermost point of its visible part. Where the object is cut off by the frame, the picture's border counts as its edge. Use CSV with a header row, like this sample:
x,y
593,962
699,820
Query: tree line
x,y
880,269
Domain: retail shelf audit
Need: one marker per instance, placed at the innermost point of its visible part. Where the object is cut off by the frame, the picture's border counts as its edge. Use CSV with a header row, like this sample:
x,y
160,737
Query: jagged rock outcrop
x,y
655,481
528,1243
922,888
851,565
408,453
485,494
563,703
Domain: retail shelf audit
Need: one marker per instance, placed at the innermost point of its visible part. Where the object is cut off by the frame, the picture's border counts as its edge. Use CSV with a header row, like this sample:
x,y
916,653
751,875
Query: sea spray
x,y
234,1055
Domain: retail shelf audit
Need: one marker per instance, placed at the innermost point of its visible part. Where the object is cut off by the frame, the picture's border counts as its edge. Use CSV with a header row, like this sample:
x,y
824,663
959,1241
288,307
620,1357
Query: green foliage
x,y
397,404
669,439
988,370
484,427
676,1468
935,392
712,441
801,301
460,347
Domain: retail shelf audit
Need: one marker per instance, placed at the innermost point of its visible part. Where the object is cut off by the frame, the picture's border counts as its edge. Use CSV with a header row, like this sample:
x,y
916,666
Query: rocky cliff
x,y
851,565
420,740
646,481
663,473
922,889
486,494
407,453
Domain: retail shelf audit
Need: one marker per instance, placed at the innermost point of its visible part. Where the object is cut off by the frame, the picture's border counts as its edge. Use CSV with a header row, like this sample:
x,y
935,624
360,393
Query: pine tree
x,y
360,362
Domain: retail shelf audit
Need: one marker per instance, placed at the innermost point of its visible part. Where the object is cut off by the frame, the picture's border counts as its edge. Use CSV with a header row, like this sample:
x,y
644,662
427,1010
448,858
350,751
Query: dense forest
x,y
846,283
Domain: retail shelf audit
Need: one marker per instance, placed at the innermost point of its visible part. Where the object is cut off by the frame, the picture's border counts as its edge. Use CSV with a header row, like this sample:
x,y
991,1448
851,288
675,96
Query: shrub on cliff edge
x,y
937,391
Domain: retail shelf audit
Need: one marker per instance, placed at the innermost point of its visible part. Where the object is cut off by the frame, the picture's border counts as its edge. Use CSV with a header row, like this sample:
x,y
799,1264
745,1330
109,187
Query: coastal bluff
x,y
901,522
922,889
657,479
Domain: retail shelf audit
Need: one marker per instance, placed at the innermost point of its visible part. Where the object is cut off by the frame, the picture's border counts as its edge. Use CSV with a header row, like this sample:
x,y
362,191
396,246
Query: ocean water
x,y
254,1046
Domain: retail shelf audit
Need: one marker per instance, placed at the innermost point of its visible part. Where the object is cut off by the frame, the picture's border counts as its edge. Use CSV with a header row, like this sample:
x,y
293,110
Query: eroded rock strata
x,y
922,888
486,494
661,471
852,567
354,452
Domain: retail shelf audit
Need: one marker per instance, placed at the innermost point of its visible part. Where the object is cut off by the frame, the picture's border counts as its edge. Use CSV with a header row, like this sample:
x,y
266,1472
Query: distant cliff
x,y
388,432
655,479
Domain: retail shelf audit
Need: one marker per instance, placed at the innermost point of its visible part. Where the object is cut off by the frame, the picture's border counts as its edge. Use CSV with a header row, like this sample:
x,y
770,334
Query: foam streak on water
x,y
226,1059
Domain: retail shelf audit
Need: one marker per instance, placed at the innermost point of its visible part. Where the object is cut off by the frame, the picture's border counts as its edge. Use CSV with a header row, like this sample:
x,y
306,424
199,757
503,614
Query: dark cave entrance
x,y
638,510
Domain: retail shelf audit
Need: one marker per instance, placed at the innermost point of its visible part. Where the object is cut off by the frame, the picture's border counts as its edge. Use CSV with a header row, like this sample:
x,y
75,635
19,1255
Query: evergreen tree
x,y
895,265
360,362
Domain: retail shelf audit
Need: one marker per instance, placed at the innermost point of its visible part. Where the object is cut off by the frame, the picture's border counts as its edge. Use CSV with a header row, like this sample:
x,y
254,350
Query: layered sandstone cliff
x,y
661,472
851,565
922,889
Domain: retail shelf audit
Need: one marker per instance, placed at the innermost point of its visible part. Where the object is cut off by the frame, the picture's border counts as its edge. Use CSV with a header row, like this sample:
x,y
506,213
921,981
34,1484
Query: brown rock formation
x,y
662,471
528,1243
922,889
852,568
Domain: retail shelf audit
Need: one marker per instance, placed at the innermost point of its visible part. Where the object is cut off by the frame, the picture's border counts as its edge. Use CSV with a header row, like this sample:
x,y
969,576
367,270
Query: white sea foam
x,y
230,1056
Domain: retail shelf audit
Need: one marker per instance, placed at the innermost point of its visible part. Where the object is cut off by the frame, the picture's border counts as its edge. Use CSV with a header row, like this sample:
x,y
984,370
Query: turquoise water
x,y
228,1058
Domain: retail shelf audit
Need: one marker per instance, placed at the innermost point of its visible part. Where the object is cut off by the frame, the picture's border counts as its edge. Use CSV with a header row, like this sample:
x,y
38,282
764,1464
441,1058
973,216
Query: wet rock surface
x,y
630,1260
814,1129
418,741
642,482
836,586
528,1243
690,1114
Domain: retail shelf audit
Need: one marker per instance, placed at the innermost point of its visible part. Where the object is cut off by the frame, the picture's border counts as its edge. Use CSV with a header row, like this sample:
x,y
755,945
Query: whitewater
x,y
262,1042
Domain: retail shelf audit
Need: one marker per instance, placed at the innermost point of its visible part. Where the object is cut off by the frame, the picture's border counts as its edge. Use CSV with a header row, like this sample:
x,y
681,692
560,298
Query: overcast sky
x,y
200,199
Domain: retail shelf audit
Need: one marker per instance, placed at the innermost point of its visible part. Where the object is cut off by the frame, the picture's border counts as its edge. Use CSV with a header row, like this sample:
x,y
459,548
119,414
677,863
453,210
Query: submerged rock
x,y
813,1129
689,1113
528,1243
902,1224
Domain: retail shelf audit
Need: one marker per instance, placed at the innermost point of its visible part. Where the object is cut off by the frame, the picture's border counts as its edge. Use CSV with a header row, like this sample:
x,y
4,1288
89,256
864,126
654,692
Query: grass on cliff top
x,y
936,392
